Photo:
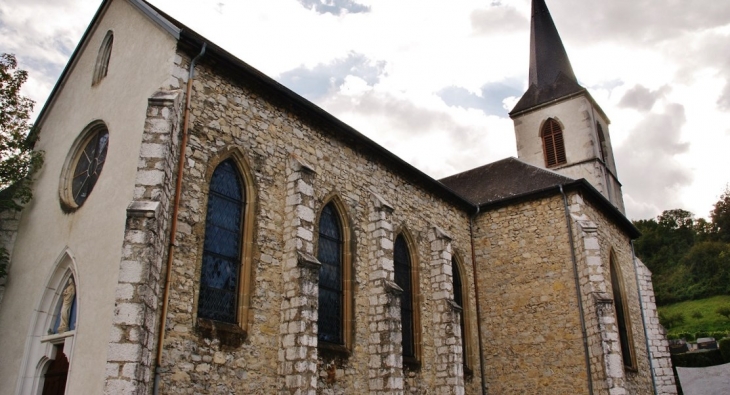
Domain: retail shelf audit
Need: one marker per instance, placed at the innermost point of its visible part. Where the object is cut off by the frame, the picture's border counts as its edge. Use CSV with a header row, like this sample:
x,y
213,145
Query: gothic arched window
x,y
461,298
552,142
222,248
622,315
335,319
331,290
101,68
405,277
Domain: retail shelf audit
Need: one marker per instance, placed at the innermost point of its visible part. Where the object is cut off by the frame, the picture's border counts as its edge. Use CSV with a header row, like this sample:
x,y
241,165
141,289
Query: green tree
x,y
721,216
18,160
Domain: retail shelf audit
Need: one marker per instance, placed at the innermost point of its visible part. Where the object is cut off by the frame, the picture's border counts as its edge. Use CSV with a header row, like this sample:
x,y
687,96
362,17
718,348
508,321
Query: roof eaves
x,y
192,39
156,17
142,6
72,60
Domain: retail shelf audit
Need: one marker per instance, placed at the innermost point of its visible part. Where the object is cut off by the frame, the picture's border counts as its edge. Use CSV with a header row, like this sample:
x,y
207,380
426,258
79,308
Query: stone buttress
x,y
131,349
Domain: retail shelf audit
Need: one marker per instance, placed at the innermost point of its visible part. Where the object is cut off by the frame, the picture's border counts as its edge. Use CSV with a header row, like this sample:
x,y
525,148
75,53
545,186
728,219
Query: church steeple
x,y
551,75
558,125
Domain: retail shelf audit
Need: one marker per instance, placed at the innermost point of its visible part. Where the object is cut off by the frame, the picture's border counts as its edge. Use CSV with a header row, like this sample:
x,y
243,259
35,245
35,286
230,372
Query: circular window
x,y
84,165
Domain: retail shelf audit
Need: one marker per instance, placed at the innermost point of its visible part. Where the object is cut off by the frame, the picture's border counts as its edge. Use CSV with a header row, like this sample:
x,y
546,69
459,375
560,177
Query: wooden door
x,y
54,382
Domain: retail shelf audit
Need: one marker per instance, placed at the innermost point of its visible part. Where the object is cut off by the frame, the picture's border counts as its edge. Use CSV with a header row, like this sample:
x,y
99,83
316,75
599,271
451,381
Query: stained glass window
x,y
403,277
89,164
621,316
222,245
331,298
459,299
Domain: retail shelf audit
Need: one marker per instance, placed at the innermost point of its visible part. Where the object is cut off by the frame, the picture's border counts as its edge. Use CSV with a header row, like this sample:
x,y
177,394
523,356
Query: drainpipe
x,y
479,310
577,291
173,226
643,317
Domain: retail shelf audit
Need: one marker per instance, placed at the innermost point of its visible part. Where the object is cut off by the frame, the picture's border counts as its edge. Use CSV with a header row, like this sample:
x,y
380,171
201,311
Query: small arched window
x,y
602,143
553,144
222,248
101,68
407,280
622,315
460,298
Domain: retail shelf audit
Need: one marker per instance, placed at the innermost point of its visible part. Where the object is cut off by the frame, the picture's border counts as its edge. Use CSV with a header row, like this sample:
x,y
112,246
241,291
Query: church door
x,y
55,378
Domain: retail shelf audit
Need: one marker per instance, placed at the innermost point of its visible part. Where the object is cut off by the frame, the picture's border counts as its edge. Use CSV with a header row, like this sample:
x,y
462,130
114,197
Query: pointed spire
x,y
547,54
551,75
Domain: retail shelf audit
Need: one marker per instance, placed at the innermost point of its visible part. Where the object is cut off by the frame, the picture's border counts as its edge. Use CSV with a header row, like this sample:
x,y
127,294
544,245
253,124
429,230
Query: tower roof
x,y
551,75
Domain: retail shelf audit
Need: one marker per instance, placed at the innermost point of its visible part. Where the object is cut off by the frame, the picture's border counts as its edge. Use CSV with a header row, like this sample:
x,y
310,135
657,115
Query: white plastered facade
x,y
141,63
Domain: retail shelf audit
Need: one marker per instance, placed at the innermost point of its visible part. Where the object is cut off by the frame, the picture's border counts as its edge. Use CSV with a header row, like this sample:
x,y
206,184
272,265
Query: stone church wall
x,y
596,238
531,327
228,115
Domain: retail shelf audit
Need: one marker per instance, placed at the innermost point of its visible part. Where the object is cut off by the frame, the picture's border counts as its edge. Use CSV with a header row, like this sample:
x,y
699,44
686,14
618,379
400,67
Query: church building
x,y
198,228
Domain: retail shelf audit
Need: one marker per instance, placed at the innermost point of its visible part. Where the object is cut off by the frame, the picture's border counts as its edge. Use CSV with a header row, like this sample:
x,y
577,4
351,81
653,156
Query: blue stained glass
x,y
402,265
329,253
222,245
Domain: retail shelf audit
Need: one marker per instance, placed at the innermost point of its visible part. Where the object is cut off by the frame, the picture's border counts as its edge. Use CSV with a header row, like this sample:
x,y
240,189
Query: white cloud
x,y
418,75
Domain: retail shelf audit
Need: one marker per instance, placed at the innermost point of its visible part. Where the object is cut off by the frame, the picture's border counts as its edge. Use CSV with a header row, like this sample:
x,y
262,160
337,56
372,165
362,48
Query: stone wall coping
x,y
441,234
307,261
143,208
299,164
380,203
602,297
392,288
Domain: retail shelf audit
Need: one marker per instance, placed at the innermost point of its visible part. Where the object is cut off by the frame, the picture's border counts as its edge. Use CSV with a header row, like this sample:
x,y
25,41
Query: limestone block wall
x,y
135,326
227,114
596,238
530,322
658,344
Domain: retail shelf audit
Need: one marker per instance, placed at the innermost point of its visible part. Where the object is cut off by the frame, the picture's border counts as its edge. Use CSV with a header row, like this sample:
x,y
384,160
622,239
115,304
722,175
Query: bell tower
x,y
558,125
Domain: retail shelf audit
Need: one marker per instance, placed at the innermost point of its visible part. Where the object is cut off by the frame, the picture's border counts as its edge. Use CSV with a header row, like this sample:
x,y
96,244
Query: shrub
x,y
687,336
696,315
698,359
725,349
671,320
702,334
723,311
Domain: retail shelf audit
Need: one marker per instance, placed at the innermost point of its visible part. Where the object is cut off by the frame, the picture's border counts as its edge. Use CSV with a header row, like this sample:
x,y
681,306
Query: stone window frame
x,y
65,187
41,347
415,361
466,333
246,274
551,134
101,67
623,318
348,275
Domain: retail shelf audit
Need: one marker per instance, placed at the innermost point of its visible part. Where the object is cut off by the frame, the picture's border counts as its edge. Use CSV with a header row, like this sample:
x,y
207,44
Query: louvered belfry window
x,y
402,263
552,141
331,292
222,246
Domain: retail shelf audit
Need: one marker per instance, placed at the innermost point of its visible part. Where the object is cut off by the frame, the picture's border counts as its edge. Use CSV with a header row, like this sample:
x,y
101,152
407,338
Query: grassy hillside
x,y
699,316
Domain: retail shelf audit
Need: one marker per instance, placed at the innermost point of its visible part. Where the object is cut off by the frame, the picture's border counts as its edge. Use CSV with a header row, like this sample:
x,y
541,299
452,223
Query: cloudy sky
x,y
433,81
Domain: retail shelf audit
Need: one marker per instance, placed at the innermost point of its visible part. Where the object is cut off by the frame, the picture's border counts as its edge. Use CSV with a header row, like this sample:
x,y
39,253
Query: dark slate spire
x,y
551,75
